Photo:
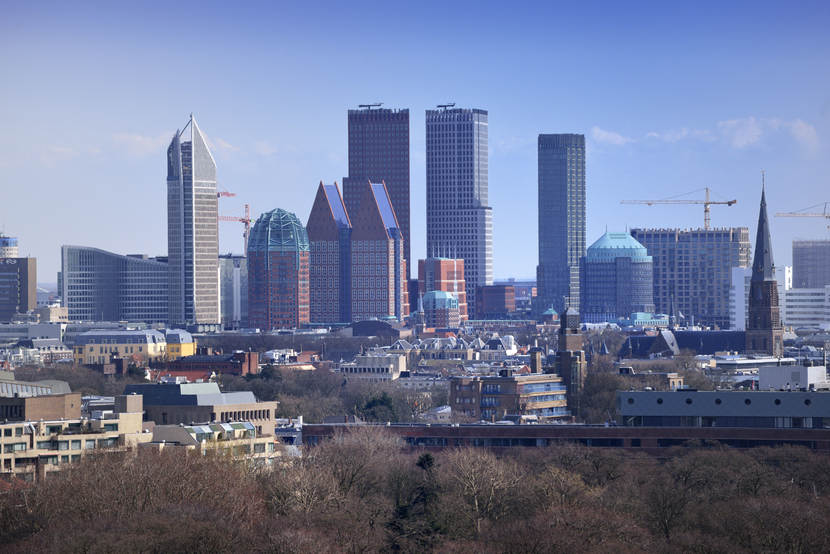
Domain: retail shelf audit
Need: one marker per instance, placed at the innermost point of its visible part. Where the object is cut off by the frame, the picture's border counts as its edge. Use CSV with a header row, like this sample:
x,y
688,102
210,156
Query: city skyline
x,y
676,121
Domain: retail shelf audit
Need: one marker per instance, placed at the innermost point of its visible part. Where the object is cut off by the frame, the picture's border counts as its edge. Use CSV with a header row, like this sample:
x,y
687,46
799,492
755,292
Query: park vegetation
x,y
362,492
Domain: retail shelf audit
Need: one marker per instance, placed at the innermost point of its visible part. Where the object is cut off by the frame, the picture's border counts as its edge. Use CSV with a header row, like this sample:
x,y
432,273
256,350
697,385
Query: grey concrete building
x,y
459,217
379,152
811,264
18,287
97,285
561,160
233,290
692,270
192,230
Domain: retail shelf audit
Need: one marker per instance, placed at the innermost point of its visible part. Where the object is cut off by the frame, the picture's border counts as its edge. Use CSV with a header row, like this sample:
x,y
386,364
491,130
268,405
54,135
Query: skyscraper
x,y
278,272
233,285
192,230
561,160
379,152
18,287
459,219
764,333
330,270
379,284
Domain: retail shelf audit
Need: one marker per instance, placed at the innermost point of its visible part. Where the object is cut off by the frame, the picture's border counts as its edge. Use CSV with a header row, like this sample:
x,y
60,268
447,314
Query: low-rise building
x,y
239,440
188,403
34,444
100,347
180,343
374,367
237,363
509,397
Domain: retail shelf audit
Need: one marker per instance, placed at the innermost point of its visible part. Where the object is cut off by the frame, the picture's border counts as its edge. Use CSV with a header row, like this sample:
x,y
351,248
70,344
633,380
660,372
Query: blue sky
x,y
671,98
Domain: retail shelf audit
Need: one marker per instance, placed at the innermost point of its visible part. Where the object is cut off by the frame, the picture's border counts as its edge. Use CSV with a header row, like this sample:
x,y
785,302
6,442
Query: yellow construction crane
x,y
804,213
706,203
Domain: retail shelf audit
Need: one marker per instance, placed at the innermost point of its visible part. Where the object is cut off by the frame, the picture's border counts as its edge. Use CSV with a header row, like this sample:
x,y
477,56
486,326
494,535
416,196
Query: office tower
x,y
233,290
18,287
459,219
8,247
764,333
616,279
379,283
97,285
444,274
330,272
811,264
192,230
379,153
692,269
739,294
561,160
278,272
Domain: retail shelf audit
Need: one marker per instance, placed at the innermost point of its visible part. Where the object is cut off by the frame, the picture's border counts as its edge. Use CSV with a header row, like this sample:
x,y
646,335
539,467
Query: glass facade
x,y
811,264
459,218
192,230
561,159
103,286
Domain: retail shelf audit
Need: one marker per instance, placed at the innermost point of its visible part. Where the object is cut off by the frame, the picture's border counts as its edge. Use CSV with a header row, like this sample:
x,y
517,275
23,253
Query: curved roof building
x,y
616,279
278,272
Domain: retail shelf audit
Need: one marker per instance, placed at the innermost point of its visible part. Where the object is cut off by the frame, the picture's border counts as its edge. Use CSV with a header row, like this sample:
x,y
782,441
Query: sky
x,y
671,97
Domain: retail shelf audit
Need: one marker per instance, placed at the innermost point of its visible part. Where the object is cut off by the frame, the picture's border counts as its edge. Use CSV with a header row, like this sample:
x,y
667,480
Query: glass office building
x,y
459,218
97,285
561,160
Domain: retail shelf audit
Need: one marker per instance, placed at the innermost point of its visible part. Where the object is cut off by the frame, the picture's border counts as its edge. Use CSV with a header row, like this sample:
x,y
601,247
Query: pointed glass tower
x,y
192,229
764,333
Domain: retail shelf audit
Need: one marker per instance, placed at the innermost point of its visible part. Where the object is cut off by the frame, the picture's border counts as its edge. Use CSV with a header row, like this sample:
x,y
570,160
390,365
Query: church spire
x,y
762,265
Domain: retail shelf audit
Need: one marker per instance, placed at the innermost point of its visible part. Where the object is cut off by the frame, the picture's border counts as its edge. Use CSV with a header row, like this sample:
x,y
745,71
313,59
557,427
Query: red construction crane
x,y
245,220
222,193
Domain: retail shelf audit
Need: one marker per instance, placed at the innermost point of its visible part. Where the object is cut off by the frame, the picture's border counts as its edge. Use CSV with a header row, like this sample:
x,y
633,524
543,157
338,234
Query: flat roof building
x,y
811,264
18,287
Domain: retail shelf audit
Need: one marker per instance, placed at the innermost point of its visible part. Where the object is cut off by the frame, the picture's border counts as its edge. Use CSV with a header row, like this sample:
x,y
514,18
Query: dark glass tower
x,y
561,219
379,152
764,333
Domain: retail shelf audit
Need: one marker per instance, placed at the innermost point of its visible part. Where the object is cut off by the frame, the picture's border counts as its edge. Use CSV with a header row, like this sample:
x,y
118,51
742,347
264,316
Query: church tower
x,y
764,333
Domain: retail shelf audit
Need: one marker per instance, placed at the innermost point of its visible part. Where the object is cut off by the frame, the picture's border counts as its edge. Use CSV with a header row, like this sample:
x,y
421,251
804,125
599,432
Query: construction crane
x,y
804,213
706,203
222,193
245,220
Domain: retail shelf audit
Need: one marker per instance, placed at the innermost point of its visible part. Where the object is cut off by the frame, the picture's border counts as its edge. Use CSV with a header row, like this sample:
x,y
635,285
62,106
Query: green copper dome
x,y
278,231
617,245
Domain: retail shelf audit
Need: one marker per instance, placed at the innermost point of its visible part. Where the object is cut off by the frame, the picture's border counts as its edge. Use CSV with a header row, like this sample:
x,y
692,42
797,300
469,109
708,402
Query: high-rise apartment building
x,y
192,230
446,275
459,218
616,279
379,283
764,332
561,160
692,270
811,264
97,285
233,290
330,269
18,287
278,272
379,153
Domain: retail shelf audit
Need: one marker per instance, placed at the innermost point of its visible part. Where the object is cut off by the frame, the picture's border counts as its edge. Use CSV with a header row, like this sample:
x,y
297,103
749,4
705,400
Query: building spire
x,y
762,265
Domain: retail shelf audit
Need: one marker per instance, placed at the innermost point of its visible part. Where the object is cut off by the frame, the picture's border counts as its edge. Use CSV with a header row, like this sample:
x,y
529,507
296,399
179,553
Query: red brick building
x,y
379,276
278,272
446,275
495,301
